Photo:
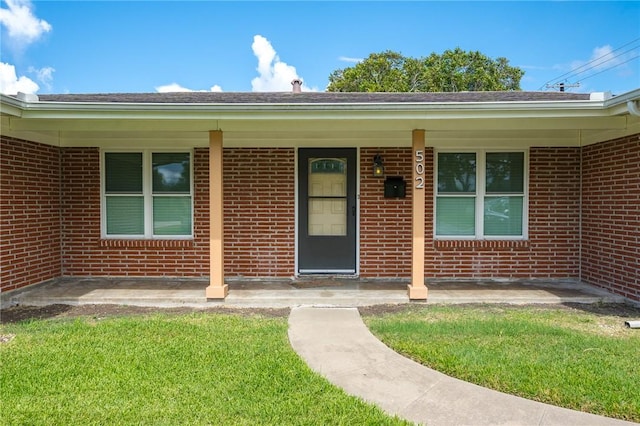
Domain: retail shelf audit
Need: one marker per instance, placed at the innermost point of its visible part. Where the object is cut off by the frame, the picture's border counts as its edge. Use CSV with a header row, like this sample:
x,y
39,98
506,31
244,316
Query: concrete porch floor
x,y
171,292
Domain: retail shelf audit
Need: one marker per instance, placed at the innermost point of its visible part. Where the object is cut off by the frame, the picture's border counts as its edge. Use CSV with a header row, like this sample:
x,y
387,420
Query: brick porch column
x,y
417,290
217,289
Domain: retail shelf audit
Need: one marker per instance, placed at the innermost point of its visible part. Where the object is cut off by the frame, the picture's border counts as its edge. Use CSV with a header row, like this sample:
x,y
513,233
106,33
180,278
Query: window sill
x,y
480,244
145,243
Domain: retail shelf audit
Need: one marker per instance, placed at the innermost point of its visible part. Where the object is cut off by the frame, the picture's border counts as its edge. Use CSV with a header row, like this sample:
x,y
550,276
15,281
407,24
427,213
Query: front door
x,y
327,210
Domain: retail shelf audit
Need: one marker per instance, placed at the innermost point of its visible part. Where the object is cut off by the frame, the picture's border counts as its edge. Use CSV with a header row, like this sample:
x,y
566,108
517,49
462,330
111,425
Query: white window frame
x,y
147,194
480,195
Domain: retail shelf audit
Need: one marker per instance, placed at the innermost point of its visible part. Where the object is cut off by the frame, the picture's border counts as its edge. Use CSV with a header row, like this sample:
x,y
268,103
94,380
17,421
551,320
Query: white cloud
x,y
44,75
601,57
349,59
175,87
22,26
274,75
535,67
11,84
602,61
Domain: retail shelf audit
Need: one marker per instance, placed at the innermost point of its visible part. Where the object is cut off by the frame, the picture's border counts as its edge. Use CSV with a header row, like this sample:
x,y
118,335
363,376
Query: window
x,y
327,197
147,194
481,195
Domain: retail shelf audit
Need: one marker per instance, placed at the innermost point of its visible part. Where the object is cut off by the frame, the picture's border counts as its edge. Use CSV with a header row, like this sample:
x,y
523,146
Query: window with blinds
x,y
481,195
147,194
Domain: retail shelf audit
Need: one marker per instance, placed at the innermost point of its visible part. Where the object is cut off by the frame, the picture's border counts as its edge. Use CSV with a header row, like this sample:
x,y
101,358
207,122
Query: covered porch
x,y
335,292
244,219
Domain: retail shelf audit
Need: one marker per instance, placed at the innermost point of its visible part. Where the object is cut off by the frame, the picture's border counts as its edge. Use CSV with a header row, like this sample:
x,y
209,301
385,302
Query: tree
x,y
452,71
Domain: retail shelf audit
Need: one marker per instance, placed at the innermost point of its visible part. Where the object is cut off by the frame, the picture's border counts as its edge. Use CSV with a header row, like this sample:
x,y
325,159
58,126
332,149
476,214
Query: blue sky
x,y
149,46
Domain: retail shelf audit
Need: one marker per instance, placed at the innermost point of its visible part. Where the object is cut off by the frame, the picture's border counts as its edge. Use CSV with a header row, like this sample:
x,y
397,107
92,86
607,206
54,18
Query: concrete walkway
x,y
336,343
174,292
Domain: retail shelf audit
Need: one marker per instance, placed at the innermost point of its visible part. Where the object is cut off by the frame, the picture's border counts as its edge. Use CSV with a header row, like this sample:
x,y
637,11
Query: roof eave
x,y
49,109
618,105
632,95
11,106
27,108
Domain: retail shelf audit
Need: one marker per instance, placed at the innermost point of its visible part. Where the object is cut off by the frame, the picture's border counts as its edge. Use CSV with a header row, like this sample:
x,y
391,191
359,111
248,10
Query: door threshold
x,y
325,272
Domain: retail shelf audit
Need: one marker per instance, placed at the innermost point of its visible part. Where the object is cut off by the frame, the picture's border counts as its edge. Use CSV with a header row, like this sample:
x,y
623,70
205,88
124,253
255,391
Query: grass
x,y
166,370
561,356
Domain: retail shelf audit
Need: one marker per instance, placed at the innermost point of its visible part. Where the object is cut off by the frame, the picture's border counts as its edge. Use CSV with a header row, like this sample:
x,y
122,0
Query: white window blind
x,y
481,194
147,194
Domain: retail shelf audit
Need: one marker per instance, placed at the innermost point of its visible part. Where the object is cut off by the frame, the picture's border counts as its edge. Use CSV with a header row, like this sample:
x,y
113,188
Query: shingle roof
x,y
312,97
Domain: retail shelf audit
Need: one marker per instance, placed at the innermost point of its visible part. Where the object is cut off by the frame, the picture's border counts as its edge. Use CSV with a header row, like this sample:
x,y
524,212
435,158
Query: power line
x,y
597,59
617,65
594,63
598,64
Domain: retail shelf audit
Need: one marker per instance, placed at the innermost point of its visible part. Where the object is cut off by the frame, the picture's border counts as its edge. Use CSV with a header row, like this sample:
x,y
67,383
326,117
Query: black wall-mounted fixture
x,y
378,166
395,187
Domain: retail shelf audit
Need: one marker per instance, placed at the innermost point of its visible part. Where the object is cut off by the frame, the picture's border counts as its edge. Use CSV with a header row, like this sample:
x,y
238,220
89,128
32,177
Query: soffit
x,y
65,121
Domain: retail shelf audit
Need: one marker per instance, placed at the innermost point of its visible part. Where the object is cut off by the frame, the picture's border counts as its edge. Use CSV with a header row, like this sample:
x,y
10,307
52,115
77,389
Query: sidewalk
x,y
335,343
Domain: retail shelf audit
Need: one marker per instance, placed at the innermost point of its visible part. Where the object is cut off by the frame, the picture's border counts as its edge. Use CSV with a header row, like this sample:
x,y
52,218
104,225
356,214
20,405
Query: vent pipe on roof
x,y
632,106
297,85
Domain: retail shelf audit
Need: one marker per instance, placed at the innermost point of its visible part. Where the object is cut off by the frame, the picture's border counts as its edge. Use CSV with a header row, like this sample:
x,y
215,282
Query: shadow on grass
x,y
21,313
24,313
622,310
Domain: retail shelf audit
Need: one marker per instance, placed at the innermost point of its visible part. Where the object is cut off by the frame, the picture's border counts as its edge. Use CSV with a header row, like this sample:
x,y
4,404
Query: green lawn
x,y
566,357
166,370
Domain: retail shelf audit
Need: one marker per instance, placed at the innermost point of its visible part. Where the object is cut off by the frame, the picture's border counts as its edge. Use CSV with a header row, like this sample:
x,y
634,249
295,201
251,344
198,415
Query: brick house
x,y
408,186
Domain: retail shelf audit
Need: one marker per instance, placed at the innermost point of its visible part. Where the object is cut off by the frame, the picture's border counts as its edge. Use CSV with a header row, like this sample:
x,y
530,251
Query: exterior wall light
x,y
378,166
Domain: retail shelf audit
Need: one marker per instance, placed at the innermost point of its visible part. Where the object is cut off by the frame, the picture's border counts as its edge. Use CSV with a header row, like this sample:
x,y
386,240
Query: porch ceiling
x,y
328,132
454,124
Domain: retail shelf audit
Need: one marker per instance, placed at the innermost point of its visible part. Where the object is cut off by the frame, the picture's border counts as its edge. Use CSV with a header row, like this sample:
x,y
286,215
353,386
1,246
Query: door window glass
x,y
327,196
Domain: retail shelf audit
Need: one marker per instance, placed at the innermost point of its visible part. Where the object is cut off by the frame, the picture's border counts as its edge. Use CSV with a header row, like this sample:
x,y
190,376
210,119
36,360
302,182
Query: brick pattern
x,y
29,213
85,254
259,212
259,220
611,216
552,248
50,218
385,223
550,252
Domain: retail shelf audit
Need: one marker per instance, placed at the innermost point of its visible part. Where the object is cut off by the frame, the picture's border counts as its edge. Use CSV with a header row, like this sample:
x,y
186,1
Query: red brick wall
x,y
29,213
385,223
611,216
552,248
259,212
259,220
551,251
260,229
85,254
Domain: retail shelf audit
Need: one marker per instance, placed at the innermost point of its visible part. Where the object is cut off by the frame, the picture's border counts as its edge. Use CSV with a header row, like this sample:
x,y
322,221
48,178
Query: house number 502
x,y
419,169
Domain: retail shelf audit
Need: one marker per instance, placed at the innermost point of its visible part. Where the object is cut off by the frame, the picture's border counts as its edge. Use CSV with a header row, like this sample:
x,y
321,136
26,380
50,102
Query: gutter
x,y
634,107
11,106
599,105
626,103
430,110
633,95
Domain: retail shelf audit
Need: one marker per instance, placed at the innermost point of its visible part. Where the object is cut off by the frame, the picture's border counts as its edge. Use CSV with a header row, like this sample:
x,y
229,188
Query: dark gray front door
x,y
327,210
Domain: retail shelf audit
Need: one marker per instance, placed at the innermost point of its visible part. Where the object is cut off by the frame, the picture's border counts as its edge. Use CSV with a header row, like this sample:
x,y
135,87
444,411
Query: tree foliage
x,y
452,71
